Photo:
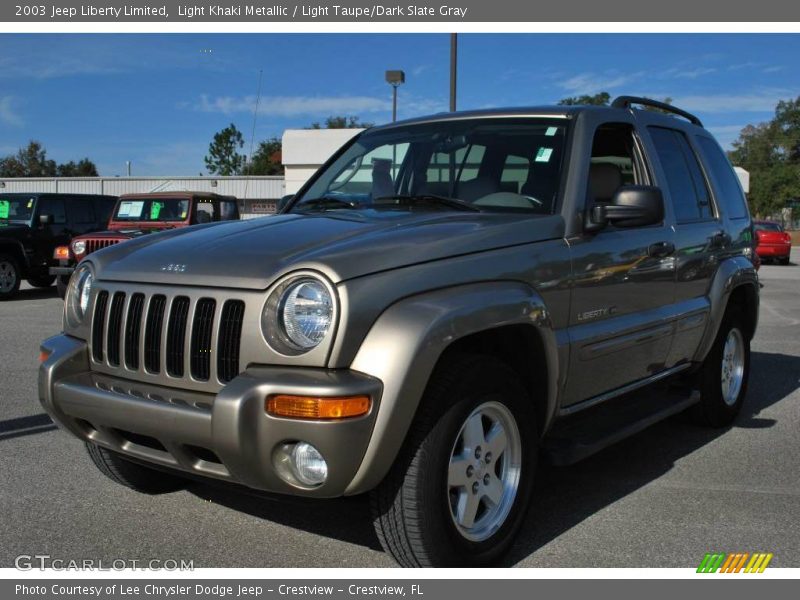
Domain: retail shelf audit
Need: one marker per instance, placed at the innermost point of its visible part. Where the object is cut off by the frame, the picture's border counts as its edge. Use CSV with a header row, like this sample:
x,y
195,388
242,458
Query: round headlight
x,y
306,313
80,290
78,247
298,315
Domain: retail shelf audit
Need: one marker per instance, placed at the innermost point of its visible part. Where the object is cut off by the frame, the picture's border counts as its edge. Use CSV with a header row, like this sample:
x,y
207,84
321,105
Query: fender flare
x,y
732,273
407,340
17,249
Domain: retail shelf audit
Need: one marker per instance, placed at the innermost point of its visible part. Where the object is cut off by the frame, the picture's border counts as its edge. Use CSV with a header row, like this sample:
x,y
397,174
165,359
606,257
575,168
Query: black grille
x,y
176,335
98,326
230,334
115,327
182,337
152,334
202,327
95,245
133,325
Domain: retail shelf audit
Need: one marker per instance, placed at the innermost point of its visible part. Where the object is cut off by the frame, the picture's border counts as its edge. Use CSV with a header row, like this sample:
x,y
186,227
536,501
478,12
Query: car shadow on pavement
x,y
13,428
34,294
564,496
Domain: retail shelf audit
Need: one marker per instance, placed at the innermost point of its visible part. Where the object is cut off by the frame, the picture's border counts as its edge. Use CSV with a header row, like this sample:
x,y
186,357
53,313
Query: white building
x,y
305,150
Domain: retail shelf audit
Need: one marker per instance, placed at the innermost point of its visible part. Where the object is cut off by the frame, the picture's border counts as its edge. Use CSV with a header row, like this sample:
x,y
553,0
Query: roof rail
x,y
626,101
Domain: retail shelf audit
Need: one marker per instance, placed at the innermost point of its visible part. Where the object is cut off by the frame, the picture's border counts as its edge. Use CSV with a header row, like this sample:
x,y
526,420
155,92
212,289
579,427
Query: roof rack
x,y
626,101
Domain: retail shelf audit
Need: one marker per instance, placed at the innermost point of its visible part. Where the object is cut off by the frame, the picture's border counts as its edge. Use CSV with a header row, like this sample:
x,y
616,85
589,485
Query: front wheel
x,y
132,475
9,277
457,492
61,285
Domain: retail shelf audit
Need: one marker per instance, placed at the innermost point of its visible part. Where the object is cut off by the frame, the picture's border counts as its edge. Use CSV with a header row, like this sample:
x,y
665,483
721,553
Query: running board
x,y
577,437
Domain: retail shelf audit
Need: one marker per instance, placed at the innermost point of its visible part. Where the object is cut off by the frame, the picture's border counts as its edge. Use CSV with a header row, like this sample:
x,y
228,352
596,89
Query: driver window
x,y
613,162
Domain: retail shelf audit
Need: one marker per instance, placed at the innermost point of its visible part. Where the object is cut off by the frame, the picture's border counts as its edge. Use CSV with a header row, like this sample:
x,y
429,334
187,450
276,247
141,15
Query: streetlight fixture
x,y
395,78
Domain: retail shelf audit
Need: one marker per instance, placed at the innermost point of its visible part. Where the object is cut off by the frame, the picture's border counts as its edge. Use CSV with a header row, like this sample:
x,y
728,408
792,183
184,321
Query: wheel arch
x,y
412,336
736,282
15,249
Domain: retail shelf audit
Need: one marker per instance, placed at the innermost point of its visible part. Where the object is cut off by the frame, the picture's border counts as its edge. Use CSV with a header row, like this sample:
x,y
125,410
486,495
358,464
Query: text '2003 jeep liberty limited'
x,y
447,299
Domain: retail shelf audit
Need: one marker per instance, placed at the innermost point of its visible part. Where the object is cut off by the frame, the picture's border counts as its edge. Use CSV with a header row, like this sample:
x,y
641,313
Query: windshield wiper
x,y
454,203
325,203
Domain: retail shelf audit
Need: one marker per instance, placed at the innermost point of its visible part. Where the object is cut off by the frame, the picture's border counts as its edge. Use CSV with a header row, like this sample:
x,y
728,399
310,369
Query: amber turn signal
x,y
44,355
310,407
61,253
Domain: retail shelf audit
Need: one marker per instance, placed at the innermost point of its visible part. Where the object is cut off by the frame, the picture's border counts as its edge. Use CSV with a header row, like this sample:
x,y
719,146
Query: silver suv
x,y
447,300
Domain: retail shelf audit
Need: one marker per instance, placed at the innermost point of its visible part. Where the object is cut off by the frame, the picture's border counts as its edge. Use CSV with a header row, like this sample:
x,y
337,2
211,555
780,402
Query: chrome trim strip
x,y
594,401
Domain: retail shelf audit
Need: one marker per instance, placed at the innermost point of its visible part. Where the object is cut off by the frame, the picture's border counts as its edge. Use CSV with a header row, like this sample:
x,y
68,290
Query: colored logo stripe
x,y
734,563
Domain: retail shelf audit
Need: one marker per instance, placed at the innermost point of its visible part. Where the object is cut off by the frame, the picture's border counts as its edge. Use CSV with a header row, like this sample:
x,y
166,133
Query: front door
x,y
623,281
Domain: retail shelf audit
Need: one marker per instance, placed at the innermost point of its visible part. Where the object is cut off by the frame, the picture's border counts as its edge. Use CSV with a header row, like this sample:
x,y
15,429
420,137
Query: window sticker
x,y
551,131
30,203
155,210
130,209
544,154
4,206
183,214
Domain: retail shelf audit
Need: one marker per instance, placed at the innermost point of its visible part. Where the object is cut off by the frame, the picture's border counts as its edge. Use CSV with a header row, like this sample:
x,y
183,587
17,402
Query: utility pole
x,y
453,69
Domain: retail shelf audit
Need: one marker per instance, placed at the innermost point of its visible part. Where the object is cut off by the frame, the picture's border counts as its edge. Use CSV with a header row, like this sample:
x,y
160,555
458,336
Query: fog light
x,y
308,465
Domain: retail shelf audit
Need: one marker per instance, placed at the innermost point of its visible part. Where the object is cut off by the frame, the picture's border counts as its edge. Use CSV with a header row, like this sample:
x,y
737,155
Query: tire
x,y
9,277
783,260
45,281
416,506
727,361
132,475
62,281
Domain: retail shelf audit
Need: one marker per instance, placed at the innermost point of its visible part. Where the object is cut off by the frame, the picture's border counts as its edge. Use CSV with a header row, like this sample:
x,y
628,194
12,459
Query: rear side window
x,y
81,211
55,208
687,186
730,191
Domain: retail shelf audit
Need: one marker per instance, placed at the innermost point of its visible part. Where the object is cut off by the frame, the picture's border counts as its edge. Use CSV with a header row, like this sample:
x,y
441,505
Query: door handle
x,y
660,249
720,239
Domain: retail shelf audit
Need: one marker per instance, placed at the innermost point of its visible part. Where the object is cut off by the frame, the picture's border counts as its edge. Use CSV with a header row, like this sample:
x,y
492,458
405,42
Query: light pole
x,y
453,69
395,79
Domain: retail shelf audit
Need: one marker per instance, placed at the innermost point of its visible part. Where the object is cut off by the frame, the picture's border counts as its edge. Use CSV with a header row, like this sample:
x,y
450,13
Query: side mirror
x,y
45,219
283,202
632,206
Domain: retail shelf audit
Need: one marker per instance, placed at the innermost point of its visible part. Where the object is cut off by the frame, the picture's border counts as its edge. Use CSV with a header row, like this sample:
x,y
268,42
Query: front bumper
x,y
61,270
227,435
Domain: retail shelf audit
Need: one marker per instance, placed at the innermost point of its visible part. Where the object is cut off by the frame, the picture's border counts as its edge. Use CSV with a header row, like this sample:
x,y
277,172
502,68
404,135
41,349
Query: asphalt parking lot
x,y
660,499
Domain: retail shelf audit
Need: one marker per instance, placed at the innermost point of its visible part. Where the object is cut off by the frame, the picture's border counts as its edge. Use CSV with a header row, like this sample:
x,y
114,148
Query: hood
x,y
343,245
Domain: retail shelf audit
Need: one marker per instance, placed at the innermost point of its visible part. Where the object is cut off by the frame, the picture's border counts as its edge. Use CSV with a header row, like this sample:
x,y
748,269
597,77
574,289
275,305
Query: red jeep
x,y
138,214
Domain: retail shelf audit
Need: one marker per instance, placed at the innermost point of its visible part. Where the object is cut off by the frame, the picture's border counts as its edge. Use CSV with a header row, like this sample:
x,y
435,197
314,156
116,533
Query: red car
x,y
773,242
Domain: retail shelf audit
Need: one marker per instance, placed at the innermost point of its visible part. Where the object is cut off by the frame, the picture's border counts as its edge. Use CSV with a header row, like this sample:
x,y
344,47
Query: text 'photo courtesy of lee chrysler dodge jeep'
x,y
33,225
447,300
137,214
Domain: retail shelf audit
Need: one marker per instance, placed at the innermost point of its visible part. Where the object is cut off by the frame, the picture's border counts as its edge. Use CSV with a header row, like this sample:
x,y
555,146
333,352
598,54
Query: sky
x,y
157,100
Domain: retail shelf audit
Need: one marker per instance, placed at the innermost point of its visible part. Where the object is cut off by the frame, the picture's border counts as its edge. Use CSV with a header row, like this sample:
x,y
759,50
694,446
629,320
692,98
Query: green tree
x,y
341,122
266,160
223,157
601,99
83,168
30,161
771,153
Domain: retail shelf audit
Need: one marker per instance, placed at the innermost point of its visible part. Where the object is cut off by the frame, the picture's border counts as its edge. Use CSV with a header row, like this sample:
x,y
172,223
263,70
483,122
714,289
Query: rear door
x,y
701,239
48,236
623,280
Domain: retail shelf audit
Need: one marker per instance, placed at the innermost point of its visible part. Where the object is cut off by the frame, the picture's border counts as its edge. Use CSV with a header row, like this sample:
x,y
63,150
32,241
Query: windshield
x,y
493,164
157,210
18,210
768,227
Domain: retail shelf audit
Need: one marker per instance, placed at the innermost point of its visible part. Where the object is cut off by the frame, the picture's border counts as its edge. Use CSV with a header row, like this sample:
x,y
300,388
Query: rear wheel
x,y
725,372
457,492
784,260
9,277
132,475
45,281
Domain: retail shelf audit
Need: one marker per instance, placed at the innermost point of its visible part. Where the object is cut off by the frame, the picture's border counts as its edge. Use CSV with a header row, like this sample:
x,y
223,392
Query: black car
x,y
33,225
